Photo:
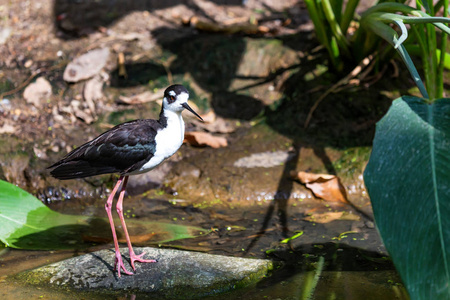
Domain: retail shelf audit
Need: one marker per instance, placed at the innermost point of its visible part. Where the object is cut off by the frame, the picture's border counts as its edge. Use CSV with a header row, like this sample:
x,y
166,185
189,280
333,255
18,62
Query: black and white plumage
x,y
133,147
129,148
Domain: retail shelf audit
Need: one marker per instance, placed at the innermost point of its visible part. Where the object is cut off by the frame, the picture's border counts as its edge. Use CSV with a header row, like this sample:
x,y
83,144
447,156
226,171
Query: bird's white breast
x,y
168,141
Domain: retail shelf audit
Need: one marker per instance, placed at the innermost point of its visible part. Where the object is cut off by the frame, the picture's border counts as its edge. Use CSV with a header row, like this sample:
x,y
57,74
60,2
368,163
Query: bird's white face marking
x,y
182,98
175,105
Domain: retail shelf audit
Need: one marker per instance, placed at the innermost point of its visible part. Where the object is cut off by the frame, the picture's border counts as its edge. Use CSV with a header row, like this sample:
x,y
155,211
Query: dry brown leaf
x,y
80,112
198,138
236,21
247,28
331,216
213,123
209,117
37,93
325,186
93,90
8,127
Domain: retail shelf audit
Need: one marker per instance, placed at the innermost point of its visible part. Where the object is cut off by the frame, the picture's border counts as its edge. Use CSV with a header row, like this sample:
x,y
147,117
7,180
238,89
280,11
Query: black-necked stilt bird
x,y
129,148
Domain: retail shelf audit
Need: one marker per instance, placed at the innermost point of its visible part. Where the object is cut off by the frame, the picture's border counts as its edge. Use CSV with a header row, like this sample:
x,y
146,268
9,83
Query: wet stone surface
x,y
176,274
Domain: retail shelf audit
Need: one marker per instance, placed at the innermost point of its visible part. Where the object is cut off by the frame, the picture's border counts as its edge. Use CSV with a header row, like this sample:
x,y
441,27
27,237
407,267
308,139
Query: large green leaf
x,y
408,180
26,223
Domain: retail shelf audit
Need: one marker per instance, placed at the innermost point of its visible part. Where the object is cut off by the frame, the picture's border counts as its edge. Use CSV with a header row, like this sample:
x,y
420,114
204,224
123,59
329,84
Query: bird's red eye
x,y
171,98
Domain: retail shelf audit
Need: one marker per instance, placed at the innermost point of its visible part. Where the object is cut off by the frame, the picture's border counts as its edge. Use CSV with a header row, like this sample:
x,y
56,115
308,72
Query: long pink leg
x,y
119,207
108,207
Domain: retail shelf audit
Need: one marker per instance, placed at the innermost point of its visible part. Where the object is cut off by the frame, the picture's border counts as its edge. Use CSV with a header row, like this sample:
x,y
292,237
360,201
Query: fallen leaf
x,y
78,111
236,20
38,92
209,117
86,65
40,153
8,127
325,186
198,138
246,28
331,216
213,123
92,91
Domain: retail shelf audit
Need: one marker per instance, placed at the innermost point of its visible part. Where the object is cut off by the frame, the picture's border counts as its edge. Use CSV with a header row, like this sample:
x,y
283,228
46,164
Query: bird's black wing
x,y
122,149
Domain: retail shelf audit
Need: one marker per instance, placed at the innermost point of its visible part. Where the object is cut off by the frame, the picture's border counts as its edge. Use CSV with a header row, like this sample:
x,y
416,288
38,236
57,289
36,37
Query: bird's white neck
x,y
175,122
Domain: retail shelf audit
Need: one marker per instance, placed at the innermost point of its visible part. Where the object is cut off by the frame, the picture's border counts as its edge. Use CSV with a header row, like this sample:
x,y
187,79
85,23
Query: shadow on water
x,y
344,272
90,232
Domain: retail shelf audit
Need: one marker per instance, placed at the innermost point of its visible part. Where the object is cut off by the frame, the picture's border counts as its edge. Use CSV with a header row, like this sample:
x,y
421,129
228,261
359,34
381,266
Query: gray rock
x,y
177,274
264,160
141,183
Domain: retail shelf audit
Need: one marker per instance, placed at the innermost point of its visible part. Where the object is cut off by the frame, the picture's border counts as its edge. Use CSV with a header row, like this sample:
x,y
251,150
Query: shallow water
x,y
291,282
322,263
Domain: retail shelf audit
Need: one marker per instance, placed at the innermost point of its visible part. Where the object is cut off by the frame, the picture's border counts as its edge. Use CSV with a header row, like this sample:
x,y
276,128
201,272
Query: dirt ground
x,y
41,37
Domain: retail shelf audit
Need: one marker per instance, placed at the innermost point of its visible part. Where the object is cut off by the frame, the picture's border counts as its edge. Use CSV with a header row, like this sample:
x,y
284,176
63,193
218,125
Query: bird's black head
x,y
175,99
173,91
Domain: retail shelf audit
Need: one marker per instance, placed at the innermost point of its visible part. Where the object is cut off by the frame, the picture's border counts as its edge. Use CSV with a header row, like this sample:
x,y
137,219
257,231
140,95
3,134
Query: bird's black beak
x,y
185,105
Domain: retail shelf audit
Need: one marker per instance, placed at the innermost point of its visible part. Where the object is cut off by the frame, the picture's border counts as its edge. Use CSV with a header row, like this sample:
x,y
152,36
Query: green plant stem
x,y
321,33
443,48
432,61
423,46
348,14
390,35
336,6
412,69
335,27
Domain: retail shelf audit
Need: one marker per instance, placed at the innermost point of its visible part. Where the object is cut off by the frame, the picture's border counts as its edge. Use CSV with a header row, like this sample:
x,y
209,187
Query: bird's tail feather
x,y
79,169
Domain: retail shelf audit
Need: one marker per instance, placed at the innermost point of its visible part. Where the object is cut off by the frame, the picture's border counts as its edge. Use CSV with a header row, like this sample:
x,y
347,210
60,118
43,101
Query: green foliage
x,y
408,176
29,224
22,215
332,21
408,179
379,17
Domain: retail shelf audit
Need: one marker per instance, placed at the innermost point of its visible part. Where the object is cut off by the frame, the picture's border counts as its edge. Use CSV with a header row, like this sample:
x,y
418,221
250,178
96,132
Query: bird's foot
x,y
119,265
134,257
